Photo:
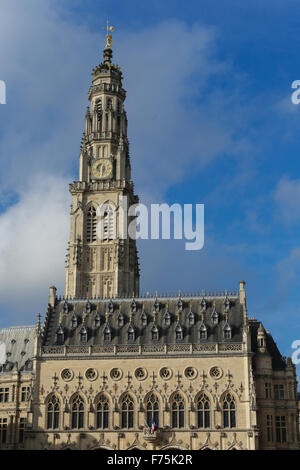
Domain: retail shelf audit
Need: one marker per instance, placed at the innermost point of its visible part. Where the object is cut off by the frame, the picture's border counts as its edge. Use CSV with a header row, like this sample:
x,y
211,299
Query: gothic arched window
x,y
203,411
229,411
127,412
108,222
177,411
102,409
152,410
91,225
53,410
77,410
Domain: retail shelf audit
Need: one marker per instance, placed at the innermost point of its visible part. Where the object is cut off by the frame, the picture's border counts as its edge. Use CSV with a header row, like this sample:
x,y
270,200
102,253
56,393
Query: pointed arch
x,y
103,408
53,409
229,409
91,223
152,403
203,410
127,408
78,407
178,409
107,229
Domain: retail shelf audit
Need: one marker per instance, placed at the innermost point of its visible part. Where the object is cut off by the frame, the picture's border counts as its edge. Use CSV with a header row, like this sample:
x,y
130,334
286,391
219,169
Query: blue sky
x,y
210,121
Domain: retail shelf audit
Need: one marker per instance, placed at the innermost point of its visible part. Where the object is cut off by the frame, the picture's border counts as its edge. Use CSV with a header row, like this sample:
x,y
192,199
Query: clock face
x,y
102,169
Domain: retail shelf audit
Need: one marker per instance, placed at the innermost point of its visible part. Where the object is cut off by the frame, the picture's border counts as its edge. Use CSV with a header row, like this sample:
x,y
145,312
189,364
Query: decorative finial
x,y
109,39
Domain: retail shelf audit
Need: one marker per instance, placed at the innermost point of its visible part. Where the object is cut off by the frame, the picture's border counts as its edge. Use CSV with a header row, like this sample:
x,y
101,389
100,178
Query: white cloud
x,y
287,199
178,122
33,242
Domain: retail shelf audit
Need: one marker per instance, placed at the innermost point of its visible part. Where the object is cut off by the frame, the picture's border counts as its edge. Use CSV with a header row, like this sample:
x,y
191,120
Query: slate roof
x,y
278,361
143,316
19,345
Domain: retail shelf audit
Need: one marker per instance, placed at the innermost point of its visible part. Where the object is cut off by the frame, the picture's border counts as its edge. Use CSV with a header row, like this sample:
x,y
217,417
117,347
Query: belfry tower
x,y
102,261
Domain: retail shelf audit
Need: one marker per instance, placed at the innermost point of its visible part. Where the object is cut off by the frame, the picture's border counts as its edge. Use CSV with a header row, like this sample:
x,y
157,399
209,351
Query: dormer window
x,y
178,332
179,305
227,331
120,320
143,319
215,317
130,333
74,322
202,331
83,335
106,334
60,335
154,333
156,306
191,318
88,307
167,319
97,320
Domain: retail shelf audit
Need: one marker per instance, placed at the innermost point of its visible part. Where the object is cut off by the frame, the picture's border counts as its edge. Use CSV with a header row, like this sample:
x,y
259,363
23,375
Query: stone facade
x,y
110,369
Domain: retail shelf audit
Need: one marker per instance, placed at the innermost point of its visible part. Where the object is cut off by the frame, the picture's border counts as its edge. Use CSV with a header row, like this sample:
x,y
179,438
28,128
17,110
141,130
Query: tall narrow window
x,y
4,395
280,425
102,408
203,411
127,410
53,409
270,428
268,390
25,393
91,225
152,410
108,222
77,412
178,411
22,426
3,430
229,410
279,391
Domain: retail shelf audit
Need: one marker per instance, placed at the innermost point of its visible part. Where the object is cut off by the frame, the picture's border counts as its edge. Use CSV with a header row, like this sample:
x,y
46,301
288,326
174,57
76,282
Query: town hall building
x,y
111,369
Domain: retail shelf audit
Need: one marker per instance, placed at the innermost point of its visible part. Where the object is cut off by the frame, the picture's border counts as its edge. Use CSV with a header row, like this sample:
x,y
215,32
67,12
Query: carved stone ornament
x,y
91,374
67,375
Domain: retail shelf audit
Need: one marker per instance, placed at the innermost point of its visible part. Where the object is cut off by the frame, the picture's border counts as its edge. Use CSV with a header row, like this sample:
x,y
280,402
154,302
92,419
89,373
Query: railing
x,y
144,349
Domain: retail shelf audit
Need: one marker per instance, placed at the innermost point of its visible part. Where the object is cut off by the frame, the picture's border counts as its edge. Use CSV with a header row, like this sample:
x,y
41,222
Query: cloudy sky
x,y
210,121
